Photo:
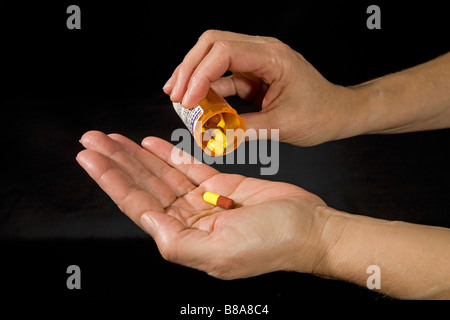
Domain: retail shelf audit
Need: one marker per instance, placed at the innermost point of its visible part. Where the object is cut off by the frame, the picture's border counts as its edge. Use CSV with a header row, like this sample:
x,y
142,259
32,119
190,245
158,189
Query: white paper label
x,y
188,116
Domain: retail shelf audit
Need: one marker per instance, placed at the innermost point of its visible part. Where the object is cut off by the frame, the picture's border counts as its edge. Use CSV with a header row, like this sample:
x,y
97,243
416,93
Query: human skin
x,y
275,226
297,100
271,219
278,226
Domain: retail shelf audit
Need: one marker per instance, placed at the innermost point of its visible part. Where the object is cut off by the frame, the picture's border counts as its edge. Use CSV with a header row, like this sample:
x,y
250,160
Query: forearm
x,y
414,260
415,99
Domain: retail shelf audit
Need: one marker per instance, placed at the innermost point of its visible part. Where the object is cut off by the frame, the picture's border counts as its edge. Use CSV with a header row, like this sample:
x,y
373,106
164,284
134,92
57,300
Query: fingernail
x,y
174,92
168,86
186,99
148,224
79,159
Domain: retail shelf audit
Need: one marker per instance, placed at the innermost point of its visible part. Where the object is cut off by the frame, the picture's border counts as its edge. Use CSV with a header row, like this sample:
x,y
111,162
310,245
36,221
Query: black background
x,y
59,83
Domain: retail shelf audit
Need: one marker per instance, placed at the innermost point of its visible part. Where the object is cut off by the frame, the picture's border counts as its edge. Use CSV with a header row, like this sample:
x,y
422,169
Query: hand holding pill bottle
x,y
216,126
293,97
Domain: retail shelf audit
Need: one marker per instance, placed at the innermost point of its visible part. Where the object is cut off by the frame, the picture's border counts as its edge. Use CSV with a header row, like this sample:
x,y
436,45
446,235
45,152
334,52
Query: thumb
x,y
176,243
259,125
158,225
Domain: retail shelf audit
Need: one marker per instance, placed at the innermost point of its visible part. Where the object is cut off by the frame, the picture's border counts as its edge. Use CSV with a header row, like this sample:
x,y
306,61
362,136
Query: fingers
x,y
222,57
193,169
241,85
193,58
173,178
129,165
132,200
214,54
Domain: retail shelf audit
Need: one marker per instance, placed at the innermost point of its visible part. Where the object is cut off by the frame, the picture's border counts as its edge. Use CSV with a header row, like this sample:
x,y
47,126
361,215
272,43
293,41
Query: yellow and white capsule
x,y
218,143
218,200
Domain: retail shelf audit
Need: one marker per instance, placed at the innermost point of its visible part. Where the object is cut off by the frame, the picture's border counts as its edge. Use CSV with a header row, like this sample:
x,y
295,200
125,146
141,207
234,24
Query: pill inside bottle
x,y
217,128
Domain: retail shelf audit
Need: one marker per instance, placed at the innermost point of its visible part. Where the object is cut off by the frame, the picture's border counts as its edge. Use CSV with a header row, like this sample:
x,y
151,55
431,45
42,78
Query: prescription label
x,y
188,116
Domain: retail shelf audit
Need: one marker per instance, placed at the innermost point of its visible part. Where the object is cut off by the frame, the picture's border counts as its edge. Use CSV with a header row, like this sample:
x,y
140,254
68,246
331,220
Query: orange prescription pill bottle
x,y
233,126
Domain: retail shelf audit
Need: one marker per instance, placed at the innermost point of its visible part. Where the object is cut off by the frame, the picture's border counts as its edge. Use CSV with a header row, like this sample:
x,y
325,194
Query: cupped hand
x,y
294,97
275,226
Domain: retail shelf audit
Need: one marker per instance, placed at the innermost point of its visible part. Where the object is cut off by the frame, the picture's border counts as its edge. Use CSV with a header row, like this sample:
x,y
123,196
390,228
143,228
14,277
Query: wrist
x,y
334,224
356,105
347,245
353,243
318,251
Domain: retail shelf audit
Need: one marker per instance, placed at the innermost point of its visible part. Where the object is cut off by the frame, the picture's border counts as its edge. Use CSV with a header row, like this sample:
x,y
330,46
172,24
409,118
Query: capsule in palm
x,y
218,200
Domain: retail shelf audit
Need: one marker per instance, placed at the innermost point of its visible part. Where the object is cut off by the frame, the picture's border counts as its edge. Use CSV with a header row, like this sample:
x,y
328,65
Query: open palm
x,y
271,221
